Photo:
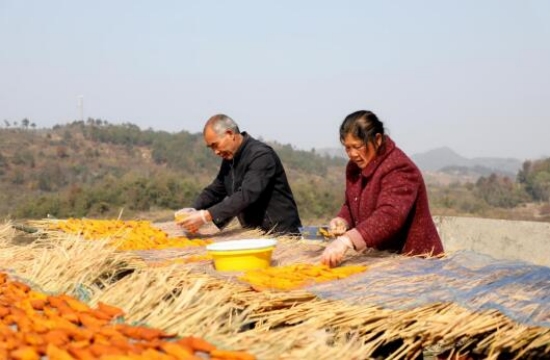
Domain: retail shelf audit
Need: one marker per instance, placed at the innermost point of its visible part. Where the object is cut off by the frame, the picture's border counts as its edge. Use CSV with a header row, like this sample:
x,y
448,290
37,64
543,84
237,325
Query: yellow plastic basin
x,y
241,255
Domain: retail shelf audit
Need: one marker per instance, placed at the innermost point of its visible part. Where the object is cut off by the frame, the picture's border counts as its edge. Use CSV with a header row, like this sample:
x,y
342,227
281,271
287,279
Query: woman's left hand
x,y
335,251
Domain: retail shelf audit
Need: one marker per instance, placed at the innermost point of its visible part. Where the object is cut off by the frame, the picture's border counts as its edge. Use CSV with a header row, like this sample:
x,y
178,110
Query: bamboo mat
x,y
348,319
474,281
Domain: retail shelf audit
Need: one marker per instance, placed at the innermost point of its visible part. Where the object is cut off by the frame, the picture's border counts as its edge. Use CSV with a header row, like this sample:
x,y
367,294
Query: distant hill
x,y
446,160
332,152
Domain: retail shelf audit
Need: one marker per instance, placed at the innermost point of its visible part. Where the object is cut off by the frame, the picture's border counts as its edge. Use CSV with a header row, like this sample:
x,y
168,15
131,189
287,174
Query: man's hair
x,y
220,123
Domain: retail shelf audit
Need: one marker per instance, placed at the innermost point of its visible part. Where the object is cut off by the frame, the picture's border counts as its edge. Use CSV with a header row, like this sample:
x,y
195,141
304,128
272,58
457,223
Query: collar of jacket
x,y
238,153
367,172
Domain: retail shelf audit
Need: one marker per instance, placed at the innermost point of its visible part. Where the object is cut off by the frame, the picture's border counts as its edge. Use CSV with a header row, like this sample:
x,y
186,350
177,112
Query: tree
x,y
61,152
23,157
535,178
3,164
499,191
25,123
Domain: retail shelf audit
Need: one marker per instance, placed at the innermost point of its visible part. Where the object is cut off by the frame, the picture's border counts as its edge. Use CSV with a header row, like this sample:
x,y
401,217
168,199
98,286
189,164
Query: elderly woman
x,y
386,204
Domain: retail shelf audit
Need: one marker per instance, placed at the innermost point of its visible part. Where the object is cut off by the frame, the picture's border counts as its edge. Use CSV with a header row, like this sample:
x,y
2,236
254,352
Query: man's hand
x,y
337,226
335,251
194,220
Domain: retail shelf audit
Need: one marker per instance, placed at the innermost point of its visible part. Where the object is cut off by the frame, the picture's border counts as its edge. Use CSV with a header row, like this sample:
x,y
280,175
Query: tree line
x,y
95,168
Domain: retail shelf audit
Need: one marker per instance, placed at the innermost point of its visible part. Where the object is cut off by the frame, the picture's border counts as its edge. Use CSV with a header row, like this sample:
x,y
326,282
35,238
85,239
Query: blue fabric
x,y
519,290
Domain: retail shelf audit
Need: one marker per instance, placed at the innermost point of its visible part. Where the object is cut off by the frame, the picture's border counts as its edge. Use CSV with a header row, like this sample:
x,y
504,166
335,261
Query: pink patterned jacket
x,y
386,206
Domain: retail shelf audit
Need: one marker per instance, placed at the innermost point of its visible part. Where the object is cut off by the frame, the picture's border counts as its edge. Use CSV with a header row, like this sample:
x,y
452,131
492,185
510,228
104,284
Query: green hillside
x,y
98,169
95,168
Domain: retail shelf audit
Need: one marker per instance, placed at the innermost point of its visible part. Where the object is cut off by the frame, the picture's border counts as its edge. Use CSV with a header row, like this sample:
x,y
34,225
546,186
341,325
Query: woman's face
x,y
359,152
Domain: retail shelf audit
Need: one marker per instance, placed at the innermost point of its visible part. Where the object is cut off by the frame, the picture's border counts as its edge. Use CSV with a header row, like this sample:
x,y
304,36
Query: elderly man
x,y
251,184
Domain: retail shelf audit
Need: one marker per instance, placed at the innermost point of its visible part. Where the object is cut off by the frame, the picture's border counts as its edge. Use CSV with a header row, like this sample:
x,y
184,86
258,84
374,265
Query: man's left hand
x,y
195,220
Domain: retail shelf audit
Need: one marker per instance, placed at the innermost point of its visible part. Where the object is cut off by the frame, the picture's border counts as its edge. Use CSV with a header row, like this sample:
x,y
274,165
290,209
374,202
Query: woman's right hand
x,y
335,251
337,226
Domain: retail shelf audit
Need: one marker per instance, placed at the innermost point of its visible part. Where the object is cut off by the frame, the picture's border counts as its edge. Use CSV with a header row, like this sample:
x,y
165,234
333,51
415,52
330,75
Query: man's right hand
x,y
195,220
338,226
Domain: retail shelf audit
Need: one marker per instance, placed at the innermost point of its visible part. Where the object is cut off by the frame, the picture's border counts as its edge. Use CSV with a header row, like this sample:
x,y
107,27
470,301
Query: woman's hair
x,y
363,125
220,123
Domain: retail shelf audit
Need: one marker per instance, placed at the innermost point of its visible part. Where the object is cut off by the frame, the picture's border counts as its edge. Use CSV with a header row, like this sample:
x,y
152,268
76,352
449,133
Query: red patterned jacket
x,y
386,206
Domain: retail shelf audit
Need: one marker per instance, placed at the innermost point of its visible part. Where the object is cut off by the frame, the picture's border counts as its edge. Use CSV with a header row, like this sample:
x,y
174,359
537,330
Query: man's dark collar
x,y
246,139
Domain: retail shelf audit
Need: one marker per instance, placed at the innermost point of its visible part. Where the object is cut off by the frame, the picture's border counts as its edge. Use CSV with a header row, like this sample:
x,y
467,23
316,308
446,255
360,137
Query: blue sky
x,y
470,75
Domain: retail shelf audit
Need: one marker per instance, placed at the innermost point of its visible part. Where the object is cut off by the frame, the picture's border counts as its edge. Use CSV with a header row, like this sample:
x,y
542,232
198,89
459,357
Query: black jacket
x,y
254,187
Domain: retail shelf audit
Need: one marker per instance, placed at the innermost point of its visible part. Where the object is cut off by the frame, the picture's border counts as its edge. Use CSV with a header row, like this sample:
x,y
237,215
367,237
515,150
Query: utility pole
x,y
80,105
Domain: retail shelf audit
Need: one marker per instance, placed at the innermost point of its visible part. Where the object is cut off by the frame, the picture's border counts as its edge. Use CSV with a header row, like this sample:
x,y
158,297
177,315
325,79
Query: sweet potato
x,y
109,310
24,324
80,344
90,321
101,339
11,343
178,351
25,353
81,353
156,355
9,319
110,331
201,345
141,332
55,353
40,325
33,339
123,344
20,286
68,313
231,355
74,303
101,350
4,311
56,337
38,304
81,334
56,301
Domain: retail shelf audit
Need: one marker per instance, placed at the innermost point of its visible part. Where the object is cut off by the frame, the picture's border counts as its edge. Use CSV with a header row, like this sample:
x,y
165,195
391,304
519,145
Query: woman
x,y
386,204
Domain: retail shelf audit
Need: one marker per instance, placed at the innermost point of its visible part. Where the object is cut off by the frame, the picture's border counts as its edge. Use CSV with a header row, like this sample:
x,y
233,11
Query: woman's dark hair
x,y
363,125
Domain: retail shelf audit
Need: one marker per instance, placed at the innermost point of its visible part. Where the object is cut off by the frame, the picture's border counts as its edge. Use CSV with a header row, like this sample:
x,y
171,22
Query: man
x,y
251,184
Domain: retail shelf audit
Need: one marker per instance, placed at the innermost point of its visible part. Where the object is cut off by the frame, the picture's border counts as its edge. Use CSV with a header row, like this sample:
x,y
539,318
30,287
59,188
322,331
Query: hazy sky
x,y
472,75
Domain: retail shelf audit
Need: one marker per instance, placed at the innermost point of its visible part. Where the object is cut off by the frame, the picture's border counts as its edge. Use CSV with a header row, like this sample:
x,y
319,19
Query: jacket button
x,y
355,199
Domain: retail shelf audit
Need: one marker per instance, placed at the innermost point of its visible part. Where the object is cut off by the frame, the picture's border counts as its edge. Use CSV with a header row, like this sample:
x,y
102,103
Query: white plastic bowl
x,y
240,245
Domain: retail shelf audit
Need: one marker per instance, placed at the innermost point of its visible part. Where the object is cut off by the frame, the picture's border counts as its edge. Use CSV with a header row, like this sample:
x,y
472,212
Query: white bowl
x,y
240,245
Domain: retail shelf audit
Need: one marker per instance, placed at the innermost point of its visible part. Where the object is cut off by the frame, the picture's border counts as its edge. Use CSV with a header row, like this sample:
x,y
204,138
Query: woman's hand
x,y
337,226
335,251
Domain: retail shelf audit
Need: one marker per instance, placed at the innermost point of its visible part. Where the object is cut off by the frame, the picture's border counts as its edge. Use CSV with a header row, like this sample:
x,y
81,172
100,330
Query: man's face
x,y
224,146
